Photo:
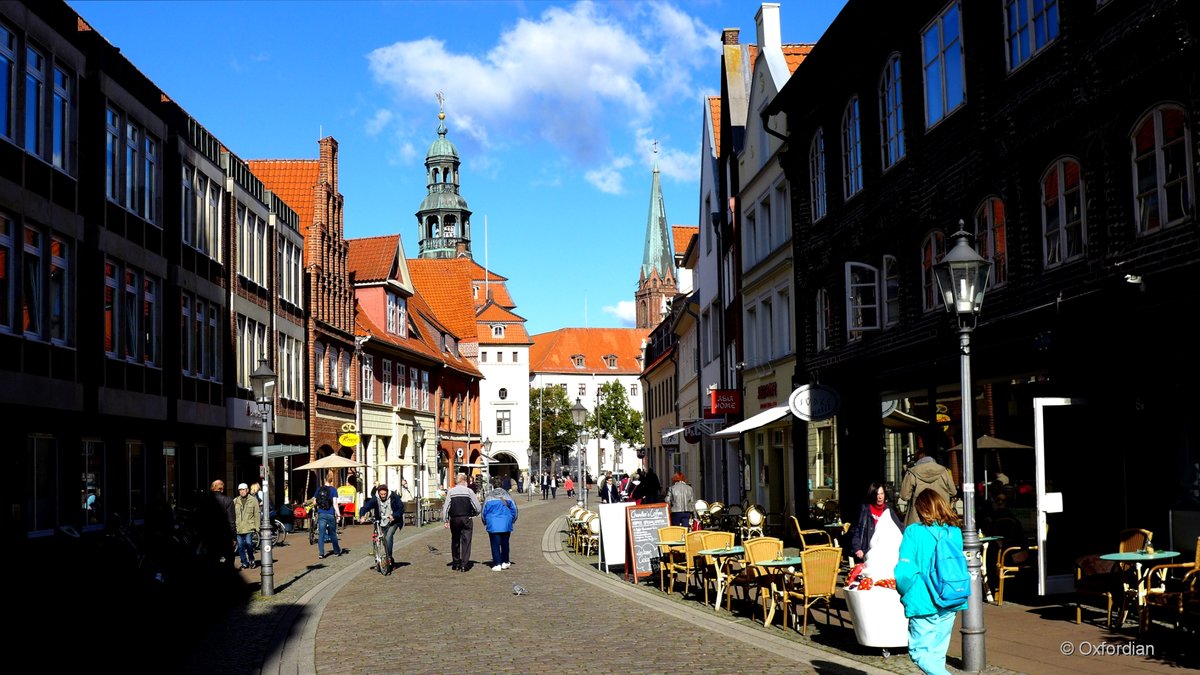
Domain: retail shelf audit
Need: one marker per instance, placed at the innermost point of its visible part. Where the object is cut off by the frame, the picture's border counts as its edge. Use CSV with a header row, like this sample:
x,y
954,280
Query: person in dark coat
x,y
609,492
874,507
219,518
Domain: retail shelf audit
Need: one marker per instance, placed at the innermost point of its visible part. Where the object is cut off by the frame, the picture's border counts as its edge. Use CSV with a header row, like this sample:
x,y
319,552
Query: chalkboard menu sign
x,y
643,523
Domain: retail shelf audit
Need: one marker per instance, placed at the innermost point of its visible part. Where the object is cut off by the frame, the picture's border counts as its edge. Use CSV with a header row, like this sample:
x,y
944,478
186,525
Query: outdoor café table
x,y
789,561
724,556
1136,558
987,590
835,530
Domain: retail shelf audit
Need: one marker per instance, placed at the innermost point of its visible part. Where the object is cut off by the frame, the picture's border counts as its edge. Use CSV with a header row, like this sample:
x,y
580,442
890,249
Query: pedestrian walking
x,y
680,500
874,507
554,486
569,486
460,507
545,485
929,626
499,517
388,511
506,483
220,524
326,499
923,475
609,492
246,520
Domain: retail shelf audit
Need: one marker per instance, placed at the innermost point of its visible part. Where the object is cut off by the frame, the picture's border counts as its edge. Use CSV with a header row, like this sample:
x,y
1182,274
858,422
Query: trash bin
x,y
878,617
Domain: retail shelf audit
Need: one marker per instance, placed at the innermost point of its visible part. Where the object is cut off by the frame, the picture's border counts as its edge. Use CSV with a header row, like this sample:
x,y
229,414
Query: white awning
x,y
761,419
669,434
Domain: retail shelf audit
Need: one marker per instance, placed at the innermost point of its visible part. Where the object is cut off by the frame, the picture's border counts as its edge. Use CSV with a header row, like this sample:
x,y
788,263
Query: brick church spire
x,y
657,280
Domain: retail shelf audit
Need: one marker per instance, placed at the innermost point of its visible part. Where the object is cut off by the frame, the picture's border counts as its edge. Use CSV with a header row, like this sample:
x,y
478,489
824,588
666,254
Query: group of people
x,y
642,487
499,515
230,523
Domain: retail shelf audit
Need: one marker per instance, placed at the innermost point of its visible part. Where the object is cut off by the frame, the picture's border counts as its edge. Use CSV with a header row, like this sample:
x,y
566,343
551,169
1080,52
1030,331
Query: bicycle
x,y
280,534
383,564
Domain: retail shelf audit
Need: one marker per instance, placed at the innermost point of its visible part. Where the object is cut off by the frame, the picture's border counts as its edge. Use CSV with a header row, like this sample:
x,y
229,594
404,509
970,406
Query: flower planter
x,y
878,617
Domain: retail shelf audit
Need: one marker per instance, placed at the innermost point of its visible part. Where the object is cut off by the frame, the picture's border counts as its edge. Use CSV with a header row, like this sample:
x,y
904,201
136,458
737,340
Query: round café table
x,y
724,557
1136,559
774,566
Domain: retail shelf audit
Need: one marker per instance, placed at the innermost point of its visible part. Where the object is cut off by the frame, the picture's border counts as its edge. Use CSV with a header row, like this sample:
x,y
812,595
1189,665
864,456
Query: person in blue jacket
x,y
499,516
929,627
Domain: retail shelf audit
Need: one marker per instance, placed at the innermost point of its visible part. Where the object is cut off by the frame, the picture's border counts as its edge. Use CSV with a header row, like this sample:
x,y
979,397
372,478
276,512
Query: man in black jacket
x,y
460,507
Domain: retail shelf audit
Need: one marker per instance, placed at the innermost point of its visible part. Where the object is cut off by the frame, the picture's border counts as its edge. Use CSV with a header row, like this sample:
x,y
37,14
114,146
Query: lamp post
x,y
579,417
485,459
262,380
529,480
962,278
419,442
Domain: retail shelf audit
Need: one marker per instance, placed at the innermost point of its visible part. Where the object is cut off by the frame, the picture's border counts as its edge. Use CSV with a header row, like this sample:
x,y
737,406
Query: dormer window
x,y
397,316
611,361
498,330
577,360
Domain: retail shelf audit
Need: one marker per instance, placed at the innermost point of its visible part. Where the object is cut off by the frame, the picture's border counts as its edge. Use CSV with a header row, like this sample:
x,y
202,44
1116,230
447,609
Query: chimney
x,y
729,36
329,164
767,20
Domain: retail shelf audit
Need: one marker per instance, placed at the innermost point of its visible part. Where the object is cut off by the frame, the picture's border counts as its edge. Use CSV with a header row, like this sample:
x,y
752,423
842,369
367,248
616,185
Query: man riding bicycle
x,y
387,510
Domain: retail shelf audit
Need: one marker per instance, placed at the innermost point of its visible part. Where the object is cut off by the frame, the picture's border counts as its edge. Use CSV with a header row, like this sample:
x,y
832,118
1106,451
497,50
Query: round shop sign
x,y
348,439
814,402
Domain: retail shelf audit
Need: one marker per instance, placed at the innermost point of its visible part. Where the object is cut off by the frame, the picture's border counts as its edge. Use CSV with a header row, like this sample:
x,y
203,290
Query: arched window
x,y
851,150
990,238
816,175
436,175
891,113
932,251
1164,188
1063,219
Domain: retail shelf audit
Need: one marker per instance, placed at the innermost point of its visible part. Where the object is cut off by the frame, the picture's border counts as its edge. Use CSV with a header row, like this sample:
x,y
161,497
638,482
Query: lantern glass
x,y
262,381
962,277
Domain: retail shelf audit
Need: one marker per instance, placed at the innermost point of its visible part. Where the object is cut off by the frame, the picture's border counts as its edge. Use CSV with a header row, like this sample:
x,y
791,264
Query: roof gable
x,y
552,352
293,180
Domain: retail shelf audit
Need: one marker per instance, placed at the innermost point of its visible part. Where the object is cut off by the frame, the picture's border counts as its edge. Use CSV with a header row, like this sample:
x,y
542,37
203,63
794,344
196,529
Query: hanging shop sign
x,y
726,401
814,402
348,439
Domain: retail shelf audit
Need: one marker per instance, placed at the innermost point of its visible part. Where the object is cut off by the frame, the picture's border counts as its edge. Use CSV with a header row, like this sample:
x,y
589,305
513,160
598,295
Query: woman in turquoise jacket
x,y
929,627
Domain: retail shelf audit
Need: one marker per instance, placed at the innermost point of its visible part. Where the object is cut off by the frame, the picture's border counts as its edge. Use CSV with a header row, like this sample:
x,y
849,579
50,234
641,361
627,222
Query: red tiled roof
x,y
372,258
416,342
714,106
514,334
499,293
293,180
446,285
794,55
682,235
551,352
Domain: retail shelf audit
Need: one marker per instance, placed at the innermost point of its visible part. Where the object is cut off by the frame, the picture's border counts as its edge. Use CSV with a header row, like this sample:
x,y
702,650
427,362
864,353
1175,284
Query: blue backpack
x,y
948,579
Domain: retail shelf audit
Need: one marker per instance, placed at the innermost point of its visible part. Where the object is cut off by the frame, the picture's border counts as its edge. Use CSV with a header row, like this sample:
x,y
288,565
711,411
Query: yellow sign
x,y
349,440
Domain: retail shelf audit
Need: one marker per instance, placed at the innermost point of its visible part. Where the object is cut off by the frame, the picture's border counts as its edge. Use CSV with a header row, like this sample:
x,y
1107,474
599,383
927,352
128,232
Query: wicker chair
x,y
709,570
750,575
1011,562
671,556
815,539
1134,539
1170,594
693,543
815,582
1096,577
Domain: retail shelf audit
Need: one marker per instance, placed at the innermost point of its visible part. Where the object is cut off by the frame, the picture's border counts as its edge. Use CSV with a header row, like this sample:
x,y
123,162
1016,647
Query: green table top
x,y
1139,556
788,561
732,550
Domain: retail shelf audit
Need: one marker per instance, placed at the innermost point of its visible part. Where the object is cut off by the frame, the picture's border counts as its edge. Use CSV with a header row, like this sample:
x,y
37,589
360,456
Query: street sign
x,y
814,402
348,439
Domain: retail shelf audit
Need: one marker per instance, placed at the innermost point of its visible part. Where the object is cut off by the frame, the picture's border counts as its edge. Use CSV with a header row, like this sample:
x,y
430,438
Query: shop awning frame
x,y
761,419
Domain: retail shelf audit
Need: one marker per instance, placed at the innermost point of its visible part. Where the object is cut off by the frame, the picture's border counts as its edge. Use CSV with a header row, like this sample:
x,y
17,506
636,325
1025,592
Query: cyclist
x,y
387,510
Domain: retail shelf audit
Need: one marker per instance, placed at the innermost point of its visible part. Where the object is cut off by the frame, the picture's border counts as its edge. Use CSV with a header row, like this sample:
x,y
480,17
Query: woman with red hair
x,y
680,499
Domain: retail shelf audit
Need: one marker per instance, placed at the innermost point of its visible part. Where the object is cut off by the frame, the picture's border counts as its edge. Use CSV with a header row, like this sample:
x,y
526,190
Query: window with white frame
x,y
852,178
499,356
891,113
35,91
483,356
131,164
514,357
766,329
942,48
290,363
335,367
577,360
387,382
414,387
401,386
610,361
252,245
824,311
253,345
862,299
201,201
319,366
368,378
8,84
783,321
1064,223
816,175
503,422
346,381
131,314
781,223
749,239
933,248
891,291
1164,185
753,348
60,118
424,390
498,330
1030,25
33,281
990,238
289,275
396,315
582,389
7,287
633,389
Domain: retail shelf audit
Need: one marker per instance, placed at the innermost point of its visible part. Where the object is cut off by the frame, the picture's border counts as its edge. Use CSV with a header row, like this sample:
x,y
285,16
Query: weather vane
x,y
441,97
656,146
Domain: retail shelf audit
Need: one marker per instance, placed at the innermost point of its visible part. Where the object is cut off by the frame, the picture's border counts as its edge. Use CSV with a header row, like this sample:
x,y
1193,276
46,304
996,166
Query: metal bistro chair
x,y
716,516
752,524
592,535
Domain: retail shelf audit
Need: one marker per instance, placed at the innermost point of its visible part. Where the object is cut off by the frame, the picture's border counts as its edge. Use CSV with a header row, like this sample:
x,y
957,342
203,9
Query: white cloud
x,y
624,311
378,121
608,179
672,162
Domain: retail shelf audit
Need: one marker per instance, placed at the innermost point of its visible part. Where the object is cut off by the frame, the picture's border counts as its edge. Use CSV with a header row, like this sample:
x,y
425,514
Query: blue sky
x,y
553,108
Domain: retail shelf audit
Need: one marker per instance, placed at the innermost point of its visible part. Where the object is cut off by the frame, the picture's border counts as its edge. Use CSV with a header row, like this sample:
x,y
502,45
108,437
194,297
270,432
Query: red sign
x,y
726,401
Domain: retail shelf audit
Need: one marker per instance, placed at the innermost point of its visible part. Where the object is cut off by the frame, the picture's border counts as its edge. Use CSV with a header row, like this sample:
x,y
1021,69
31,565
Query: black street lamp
x,y
418,433
962,276
262,380
579,417
529,480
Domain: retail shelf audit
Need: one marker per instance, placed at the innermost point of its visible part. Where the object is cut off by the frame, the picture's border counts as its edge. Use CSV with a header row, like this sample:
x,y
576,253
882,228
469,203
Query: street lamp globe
x,y
962,277
418,435
578,413
262,381
584,436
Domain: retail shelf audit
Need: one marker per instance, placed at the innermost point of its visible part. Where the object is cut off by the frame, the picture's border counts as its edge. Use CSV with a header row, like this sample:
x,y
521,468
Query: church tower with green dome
x,y
443,221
